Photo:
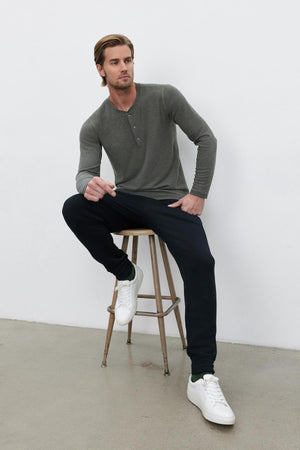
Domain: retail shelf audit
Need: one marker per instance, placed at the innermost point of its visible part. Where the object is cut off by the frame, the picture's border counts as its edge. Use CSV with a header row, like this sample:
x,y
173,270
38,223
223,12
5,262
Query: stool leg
x,y
172,290
129,333
112,315
161,323
133,259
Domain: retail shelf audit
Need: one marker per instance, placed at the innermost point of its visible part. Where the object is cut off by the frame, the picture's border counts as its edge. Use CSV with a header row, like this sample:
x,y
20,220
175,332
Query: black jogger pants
x,y
183,233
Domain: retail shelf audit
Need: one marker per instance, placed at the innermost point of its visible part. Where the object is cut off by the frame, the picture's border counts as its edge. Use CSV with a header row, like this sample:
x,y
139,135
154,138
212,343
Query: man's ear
x,y
100,70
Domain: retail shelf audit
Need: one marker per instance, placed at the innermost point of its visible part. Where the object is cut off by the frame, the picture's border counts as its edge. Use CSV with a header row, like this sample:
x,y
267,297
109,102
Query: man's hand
x,y
97,188
190,203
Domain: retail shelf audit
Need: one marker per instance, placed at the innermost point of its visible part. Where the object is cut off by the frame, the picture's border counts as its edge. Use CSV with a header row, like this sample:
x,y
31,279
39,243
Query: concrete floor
x,y
55,395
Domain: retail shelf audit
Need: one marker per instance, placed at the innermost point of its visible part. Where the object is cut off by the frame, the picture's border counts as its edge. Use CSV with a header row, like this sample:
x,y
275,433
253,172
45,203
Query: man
x,y
136,126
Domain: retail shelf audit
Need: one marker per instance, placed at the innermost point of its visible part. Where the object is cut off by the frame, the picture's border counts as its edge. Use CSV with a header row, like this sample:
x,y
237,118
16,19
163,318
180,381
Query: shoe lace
x,y
213,389
124,292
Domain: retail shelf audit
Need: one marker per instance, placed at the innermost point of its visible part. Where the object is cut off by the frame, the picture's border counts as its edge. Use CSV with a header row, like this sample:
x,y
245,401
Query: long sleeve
x,y
90,156
197,130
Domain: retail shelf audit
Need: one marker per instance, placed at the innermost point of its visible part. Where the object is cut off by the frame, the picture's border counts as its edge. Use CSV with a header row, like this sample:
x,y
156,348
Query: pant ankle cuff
x,y
125,272
201,368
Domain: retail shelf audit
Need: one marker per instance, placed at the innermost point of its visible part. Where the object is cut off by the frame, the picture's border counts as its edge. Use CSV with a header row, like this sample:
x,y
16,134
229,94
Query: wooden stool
x,y
160,314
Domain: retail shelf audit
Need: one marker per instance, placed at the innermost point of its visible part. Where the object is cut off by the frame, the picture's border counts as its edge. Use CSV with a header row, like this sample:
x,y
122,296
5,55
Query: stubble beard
x,y
122,86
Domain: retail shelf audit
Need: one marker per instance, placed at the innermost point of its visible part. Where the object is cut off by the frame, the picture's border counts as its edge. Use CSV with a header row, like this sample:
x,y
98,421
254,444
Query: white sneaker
x,y
127,297
208,396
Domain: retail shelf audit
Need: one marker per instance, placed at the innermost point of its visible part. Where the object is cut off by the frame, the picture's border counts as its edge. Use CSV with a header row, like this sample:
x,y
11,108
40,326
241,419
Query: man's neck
x,y
123,99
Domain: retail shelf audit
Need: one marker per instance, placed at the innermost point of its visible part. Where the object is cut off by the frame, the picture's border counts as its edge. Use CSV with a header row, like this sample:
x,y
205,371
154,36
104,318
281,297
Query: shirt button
x,y
138,140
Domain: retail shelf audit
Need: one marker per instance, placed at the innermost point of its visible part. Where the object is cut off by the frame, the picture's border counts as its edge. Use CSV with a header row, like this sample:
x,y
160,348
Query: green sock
x,y
197,376
132,274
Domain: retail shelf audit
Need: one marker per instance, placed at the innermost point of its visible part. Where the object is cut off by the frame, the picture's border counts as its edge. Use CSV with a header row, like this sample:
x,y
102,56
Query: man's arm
x,y
181,112
90,156
88,181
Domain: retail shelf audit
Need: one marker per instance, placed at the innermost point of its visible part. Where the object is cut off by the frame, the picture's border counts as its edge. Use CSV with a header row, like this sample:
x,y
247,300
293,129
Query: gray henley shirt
x,y
141,145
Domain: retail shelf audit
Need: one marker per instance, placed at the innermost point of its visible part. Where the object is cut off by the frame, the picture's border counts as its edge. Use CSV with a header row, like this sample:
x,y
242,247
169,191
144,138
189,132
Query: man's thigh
x,y
81,212
182,232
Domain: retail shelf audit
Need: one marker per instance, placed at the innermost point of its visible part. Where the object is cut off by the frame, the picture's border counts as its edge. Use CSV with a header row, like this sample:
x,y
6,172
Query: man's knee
x,y
72,207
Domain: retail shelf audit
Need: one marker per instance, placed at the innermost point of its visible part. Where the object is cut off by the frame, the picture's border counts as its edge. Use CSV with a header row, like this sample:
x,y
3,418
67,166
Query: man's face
x,y
117,67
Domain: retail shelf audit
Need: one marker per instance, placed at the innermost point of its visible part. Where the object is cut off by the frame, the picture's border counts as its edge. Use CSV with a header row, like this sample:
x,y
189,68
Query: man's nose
x,y
123,66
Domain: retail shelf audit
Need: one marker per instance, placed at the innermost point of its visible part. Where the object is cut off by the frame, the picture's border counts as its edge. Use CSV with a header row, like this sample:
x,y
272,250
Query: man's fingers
x,y
190,204
107,187
108,190
111,192
97,188
174,205
94,190
92,198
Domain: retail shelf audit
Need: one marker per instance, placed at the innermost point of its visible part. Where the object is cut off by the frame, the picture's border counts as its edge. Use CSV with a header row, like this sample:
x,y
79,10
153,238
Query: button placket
x,y
133,127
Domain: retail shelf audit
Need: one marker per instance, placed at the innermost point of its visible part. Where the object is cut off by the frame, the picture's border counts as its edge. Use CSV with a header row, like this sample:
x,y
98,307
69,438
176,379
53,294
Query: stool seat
x,y
160,312
136,232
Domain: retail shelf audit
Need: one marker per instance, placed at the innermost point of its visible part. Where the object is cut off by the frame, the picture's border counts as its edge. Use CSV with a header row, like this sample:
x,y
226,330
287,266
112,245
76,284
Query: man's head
x,y
113,56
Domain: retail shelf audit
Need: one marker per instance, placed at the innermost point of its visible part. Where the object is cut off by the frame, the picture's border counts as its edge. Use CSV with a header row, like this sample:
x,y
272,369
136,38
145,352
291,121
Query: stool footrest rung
x,y
152,314
163,297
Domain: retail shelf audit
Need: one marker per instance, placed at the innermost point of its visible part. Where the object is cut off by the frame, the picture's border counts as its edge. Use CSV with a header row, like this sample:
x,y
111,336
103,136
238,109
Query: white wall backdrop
x,y
237,63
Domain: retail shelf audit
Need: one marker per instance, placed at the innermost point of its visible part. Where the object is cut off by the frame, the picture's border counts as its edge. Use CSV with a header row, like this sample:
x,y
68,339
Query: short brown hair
x,y
111,40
